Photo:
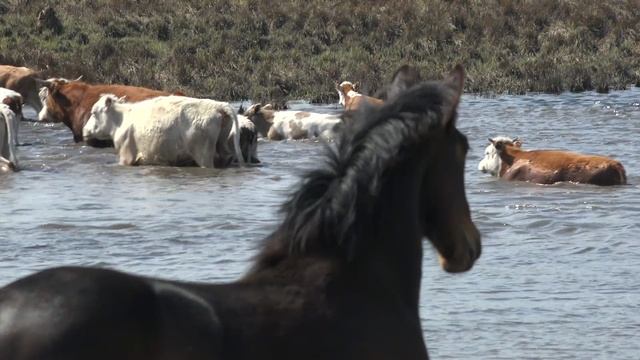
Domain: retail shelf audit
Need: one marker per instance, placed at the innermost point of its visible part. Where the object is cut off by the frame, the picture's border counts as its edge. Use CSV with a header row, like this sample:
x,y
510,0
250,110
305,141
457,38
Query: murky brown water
x,y
558,278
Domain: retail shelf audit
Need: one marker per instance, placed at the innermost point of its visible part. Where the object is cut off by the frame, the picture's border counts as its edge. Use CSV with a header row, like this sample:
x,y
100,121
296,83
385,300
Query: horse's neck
x,y
392,258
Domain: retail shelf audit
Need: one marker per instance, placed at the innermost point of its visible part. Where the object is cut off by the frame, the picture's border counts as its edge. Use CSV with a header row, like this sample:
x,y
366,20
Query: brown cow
x,y
353,100
505,158
24,81
71,103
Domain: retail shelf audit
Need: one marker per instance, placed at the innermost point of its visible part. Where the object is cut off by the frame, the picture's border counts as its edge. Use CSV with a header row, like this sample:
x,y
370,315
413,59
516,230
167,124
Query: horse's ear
x,y
404,78
455,82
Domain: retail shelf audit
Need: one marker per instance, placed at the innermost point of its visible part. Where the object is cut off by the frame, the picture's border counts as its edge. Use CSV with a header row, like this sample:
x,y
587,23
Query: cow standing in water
x,y
8,138
23,81
166,130
353,100
505,158
70,102
294,125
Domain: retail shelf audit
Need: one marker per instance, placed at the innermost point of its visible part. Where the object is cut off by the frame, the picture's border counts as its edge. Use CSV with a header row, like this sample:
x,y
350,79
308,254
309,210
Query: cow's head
x,y
343,90
261,116
491,162
103,121
56,106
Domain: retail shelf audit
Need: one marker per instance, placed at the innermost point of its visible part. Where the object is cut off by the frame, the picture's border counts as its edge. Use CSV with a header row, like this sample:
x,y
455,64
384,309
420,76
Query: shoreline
x,y
293,49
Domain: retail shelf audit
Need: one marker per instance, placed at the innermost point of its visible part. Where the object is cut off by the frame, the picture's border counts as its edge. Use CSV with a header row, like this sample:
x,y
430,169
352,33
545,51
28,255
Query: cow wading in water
x,y
293,125
505,158
70,102
339,278
23,80
8,138
353,100
166,130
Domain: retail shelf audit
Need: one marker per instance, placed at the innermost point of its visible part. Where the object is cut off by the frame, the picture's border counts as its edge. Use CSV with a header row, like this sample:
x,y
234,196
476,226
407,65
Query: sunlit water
x,y
558,277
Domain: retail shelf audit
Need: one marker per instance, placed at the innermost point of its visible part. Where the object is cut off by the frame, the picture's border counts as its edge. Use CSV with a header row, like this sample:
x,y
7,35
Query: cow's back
x,y
165,129
82,96
23,81
550,166
12,75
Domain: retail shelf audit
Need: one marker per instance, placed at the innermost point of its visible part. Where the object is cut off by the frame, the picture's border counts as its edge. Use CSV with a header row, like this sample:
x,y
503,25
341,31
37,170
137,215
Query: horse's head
x,y
446,219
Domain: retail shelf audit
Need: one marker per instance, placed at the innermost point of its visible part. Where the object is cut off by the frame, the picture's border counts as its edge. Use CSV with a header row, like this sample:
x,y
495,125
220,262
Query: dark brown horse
x,y
338,279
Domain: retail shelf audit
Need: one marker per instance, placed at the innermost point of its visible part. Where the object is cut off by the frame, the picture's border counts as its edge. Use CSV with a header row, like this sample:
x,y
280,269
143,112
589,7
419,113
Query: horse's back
x,y
85,313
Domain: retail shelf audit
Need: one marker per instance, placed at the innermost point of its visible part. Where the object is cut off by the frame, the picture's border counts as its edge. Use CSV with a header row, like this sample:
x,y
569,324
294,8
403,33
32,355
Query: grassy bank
x,y
297,49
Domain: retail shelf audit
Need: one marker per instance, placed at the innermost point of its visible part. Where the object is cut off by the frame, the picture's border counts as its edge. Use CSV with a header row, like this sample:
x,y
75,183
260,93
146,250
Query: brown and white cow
x,y
24,81
70,102
505,158
294,125
13,100
353,100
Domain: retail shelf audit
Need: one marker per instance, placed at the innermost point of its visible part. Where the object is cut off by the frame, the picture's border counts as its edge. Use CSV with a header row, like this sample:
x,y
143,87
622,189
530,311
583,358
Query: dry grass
x,y
293,49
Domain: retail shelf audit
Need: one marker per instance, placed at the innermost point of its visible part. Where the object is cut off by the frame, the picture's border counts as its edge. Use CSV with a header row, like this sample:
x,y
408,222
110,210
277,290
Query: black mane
x,y
320,217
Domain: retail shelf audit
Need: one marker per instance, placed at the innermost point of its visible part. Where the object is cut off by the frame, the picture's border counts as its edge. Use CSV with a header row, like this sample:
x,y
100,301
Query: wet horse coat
x,y
338,279
505,158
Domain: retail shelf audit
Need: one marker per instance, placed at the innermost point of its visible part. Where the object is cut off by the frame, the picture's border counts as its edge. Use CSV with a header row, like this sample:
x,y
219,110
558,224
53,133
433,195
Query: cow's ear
x,y
122,99
355,87
268,107
517,143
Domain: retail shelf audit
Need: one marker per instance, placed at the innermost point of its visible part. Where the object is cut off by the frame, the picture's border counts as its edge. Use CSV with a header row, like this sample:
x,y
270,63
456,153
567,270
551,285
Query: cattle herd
x,y
152,127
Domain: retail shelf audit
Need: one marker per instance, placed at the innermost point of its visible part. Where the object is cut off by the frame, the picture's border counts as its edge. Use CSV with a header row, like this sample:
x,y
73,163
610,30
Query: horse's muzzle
x,y
466,253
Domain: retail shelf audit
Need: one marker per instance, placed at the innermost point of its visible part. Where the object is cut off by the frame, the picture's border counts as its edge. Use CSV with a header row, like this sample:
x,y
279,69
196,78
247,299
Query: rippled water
x,y
558,278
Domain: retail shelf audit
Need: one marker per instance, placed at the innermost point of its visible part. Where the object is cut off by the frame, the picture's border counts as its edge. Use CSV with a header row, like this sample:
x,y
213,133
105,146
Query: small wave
x,y
57,226
583,250
122,226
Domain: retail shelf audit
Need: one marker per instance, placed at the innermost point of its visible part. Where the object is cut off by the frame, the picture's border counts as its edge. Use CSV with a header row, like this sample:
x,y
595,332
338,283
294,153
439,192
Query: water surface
x,y
557,278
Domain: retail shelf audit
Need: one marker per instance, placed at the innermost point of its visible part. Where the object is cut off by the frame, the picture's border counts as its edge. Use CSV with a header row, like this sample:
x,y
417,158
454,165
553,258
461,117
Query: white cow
x,y
8,138
166,130
280,125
